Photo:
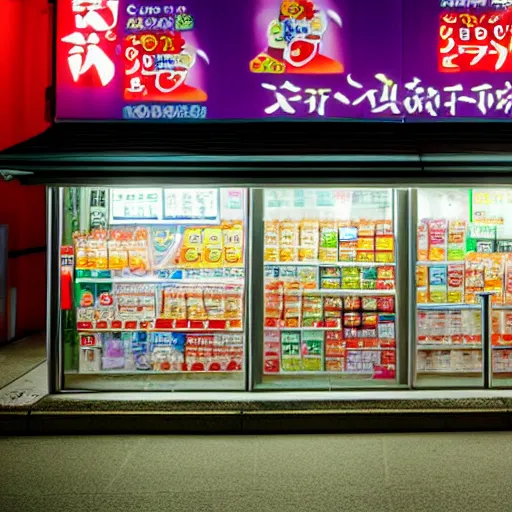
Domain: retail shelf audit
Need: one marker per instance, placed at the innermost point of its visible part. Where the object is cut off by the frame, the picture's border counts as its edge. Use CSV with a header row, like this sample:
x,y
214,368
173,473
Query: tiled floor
x,y
391,472
16,359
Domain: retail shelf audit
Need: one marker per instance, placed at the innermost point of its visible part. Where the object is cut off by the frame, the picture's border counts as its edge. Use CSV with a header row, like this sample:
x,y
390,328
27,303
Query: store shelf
x,y
206,330
323,373
344,292
156,372
433,263
156,280
447,305
324,264
502,347
449,347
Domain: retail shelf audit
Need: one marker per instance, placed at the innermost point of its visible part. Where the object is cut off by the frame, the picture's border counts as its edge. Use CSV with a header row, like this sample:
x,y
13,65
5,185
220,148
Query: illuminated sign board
x,y
307,59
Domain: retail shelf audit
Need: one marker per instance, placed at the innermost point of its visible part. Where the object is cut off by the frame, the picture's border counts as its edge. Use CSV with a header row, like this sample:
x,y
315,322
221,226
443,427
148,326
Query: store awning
x,y
249,152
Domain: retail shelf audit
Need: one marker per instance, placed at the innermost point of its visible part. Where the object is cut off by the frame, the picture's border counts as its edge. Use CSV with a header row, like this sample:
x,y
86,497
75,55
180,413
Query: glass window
x,y
329,300
153,288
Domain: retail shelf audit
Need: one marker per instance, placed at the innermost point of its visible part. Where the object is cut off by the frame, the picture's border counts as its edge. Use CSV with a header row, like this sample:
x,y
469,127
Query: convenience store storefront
x,y
254,250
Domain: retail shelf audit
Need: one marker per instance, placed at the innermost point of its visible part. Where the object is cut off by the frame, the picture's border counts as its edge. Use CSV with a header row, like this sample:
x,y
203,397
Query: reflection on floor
x,y
359,473
16,359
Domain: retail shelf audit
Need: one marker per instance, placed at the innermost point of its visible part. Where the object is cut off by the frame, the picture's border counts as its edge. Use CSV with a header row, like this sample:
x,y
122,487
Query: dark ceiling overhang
x,y
254,152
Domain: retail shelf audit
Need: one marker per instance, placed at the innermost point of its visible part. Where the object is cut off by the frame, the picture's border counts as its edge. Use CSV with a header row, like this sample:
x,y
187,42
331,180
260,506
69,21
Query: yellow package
x,y
190,253
308,250
271,254
455,296
384,243
233,235
271,233
366,228
288,241
384,257
422,296
212,242
365,256
366,243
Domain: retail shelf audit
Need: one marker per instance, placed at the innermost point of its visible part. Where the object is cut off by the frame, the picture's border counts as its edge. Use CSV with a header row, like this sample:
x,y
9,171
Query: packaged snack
x,y
271,351
335,364
113,352
168,351
456,240
369,304
352,319
369,278
214,298
174,303
347,251
474,277
90,360
334,344
328,251
330,283
80,242
438,283
312,311
138,255
365,256
386,304
386,327
190,254
383,228
212,253
234,305
288,273
140,350
384,243
494,272
233,241
330,272
290,351
422,240
384,256
309,233
437,239
332,312
421,276
351,278
508,279
352,303
312,350
366,244
369,320
455,283
274,304
292,305
366,228
307,277
288,241
271,251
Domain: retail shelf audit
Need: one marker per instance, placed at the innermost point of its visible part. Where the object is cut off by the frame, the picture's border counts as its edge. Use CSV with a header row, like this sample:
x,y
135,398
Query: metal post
x,y
485,302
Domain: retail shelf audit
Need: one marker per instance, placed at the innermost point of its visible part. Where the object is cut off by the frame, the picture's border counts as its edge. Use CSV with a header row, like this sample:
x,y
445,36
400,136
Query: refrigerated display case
x,y
330,276
464,252
153,288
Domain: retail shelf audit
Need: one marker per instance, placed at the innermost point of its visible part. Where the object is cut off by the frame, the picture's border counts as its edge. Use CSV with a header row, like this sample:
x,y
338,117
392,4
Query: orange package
x,y
117,250
233,235
138,257
195,305
494,273
81,257
437,239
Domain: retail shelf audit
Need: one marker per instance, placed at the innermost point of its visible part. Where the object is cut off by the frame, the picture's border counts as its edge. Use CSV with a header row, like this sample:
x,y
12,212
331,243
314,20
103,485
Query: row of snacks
x,y
329,241
449,361
172,274
457,283
139,249
164,352
333,277
451,240
290,351
158,306
305,309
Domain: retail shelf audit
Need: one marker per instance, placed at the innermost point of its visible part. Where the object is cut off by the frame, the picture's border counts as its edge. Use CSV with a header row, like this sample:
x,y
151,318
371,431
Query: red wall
x,y
25,64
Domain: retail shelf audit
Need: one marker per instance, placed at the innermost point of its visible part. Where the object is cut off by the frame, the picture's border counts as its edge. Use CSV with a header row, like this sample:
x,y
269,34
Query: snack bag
x,y
366,228
369,304
330,277
456,240
309,232
494,272
312,351
369,278
138,257
274,303
438,283
271,251
383,228
333,307
271,352
508,279
422,240
117,250
307,277
81,259
312,311
352,303
292,304
234,305
214,298
174,303
233,244
386,278
385,256
386,304
328,252
384,243
351,278
455,283
437,239
421,284
190,254
212,254
474,277
365,256
288,241
290,351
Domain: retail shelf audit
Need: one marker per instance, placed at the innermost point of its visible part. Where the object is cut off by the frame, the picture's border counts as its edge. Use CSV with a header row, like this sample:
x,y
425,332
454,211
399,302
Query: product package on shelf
x,y
271,351
437,239
163,352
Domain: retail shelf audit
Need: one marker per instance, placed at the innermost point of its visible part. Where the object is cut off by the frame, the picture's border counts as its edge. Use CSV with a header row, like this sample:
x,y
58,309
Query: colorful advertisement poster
x,y
391,60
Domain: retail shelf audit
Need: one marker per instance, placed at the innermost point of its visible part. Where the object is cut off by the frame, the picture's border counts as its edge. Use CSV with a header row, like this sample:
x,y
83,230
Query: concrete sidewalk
x,y
449,472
